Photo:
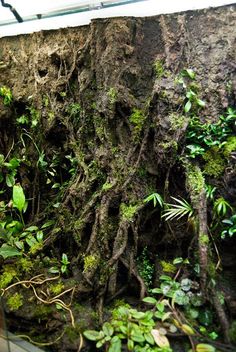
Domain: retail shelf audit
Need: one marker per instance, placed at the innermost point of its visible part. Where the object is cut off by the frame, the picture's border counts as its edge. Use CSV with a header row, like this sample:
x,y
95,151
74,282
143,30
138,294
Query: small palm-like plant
x,y
177,211
156,198
221,207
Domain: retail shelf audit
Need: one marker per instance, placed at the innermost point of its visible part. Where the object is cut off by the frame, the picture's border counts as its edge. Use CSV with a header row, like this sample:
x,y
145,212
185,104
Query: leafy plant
x,y
210,191
64,263
145,267
177,211
221,207
156,198
230,229
6,93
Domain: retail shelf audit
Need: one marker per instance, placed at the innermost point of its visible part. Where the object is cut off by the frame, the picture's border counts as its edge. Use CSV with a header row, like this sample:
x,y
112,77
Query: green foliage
x,y
156,198
202,136
74,110
230,227
210,191
18,197
6,93
64,263
221,207
193,101
145,268
177,211
131,328
15,301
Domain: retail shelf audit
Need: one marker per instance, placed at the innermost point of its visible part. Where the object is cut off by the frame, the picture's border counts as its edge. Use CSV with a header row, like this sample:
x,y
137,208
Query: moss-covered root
x,y
196,187
221,314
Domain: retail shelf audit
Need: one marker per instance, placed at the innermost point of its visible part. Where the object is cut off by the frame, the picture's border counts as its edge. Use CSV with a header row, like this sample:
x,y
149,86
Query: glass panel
x,y
4,343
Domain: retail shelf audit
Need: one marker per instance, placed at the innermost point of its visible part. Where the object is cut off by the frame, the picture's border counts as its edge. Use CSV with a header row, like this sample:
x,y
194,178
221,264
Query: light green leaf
x,y
92,335
108,329
150,300
18,197
187,106
8,251
203,347
115,345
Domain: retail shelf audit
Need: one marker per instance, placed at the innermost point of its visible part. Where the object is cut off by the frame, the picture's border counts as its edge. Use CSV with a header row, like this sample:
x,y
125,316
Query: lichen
x,y
15,302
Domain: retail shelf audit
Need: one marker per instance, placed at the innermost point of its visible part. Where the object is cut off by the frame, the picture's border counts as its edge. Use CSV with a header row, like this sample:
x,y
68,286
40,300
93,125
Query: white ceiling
x,y
143,8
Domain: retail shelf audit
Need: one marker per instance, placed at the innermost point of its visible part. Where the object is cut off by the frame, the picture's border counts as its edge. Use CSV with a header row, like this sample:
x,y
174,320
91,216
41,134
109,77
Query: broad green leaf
x,y
161,340
10,180
150,300
130,345
149,338
18,197
32,228
187,329
187,106
7,251
30,240
203,347
48,223
115,345
92,335
178,260
108,329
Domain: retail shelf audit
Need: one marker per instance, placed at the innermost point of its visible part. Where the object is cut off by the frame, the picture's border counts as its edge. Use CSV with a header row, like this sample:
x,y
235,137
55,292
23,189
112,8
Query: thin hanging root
x,y
57,301
30,282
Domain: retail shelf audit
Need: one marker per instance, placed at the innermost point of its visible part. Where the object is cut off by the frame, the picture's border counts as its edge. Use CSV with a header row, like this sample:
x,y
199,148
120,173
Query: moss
x,y
203,239
159,68
230,146
168,267
90,262
106,186
15,302
41,311
169,145
215,162
177,121
7,276
128,211
112,94
195,181
137,119
25,265
57,288
73,333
